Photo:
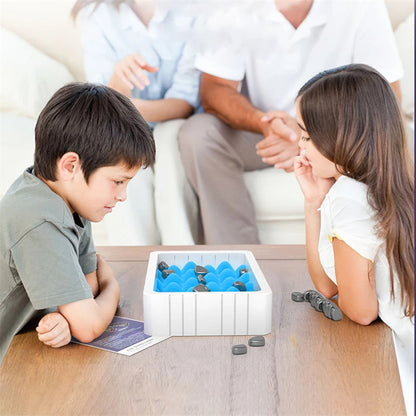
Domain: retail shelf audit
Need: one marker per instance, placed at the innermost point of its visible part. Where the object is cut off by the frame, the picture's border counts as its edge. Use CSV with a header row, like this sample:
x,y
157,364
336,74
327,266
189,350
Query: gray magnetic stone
x,y
162,266
167,272
201,270
242,271
201,288
240,286
307,295
336,314
331,310
312,295
298,297
316,302
201,279
239,349
257,341
326,308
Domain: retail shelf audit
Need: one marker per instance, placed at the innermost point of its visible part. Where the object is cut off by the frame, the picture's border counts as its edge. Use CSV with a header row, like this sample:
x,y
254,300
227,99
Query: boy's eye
x,y
119,182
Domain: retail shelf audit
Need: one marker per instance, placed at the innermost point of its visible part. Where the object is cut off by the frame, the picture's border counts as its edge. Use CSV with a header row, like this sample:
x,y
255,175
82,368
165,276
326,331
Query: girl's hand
x,y
314,189
129,72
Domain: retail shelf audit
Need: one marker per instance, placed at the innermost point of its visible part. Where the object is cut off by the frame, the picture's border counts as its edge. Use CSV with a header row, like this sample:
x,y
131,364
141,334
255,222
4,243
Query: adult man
x,y
248,90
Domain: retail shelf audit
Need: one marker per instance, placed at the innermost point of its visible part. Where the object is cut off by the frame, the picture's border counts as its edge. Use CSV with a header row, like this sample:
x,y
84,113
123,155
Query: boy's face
x,y
106,186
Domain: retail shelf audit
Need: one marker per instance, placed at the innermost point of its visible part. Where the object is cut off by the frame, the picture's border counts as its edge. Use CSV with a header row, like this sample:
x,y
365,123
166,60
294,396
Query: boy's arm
x,y
88,318
53,328
92,281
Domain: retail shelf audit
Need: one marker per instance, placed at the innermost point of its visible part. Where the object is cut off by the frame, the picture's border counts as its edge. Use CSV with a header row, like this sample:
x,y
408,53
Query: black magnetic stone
x,y
298,297
242,271
201,270
167,272
239,349
162,266
257,341
201,279
201,288
240,286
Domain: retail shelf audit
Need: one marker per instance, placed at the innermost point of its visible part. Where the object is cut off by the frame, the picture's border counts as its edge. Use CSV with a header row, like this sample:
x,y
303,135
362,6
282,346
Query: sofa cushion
x,y
276,195
29,78
17,147
406,43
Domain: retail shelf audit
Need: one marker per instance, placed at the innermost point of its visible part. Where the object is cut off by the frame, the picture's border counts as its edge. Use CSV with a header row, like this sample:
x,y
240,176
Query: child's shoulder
x,y
346,187
348,199
28,203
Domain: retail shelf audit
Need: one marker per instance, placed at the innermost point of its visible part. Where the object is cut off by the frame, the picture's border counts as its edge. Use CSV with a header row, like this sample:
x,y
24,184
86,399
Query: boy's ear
x,y
68,165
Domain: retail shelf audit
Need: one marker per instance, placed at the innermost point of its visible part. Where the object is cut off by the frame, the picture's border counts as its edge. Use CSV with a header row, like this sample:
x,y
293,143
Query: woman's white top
x,y
347,215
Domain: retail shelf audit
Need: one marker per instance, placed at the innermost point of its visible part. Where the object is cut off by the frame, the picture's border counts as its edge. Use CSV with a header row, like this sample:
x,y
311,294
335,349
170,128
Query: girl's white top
x,y
347,215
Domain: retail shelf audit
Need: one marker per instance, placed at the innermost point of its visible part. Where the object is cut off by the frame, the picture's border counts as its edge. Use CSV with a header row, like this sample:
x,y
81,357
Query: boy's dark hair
x,y
98,123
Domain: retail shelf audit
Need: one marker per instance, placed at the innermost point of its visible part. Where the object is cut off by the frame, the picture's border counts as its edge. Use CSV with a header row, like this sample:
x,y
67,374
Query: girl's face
x,y
321,166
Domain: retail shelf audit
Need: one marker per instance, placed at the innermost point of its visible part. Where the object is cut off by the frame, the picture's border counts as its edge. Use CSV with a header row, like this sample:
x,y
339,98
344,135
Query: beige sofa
x,y
41,51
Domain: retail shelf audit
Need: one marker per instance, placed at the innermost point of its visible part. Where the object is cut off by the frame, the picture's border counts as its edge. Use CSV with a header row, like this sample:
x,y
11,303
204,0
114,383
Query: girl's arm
x,y
321,281
314,190
357,295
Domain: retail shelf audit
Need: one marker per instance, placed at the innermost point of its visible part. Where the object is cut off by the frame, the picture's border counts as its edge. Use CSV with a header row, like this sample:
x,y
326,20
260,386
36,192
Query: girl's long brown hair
x,y
353,118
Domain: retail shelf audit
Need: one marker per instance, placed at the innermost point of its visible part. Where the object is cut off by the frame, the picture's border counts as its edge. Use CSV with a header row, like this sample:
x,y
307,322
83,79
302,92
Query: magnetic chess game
x,y
206,293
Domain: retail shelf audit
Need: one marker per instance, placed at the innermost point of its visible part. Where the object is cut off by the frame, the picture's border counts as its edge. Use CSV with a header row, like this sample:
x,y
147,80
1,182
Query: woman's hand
x,y
130,72
314,189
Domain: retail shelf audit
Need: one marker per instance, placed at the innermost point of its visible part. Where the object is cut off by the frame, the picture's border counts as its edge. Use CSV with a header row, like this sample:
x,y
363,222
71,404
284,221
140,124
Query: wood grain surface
x,y
310,365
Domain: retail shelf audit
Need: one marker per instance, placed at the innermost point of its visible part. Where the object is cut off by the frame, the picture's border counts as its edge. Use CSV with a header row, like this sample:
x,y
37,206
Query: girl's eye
x,y
305,139
119,182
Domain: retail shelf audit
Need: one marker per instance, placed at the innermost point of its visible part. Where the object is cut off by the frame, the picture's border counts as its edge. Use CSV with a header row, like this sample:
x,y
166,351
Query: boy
x,y
90,141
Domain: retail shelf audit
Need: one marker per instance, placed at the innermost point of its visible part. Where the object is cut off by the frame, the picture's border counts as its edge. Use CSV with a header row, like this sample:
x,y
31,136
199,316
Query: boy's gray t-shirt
x,y
45,252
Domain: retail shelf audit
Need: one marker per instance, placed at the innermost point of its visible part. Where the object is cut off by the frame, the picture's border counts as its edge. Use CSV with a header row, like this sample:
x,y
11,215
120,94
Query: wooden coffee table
x,y
310,365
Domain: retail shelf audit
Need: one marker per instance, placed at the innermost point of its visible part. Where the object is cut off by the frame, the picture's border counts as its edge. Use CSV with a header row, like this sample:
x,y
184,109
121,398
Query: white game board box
x,y
206,313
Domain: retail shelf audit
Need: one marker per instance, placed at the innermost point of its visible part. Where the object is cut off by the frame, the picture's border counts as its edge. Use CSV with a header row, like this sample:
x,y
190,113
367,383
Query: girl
x,y
356,175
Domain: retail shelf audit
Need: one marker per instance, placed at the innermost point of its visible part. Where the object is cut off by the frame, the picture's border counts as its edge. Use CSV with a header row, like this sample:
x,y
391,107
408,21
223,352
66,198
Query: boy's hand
x,y
53,330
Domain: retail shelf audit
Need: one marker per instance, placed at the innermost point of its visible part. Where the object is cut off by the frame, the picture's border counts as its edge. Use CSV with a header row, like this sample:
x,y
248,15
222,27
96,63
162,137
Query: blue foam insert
x,y
220,279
